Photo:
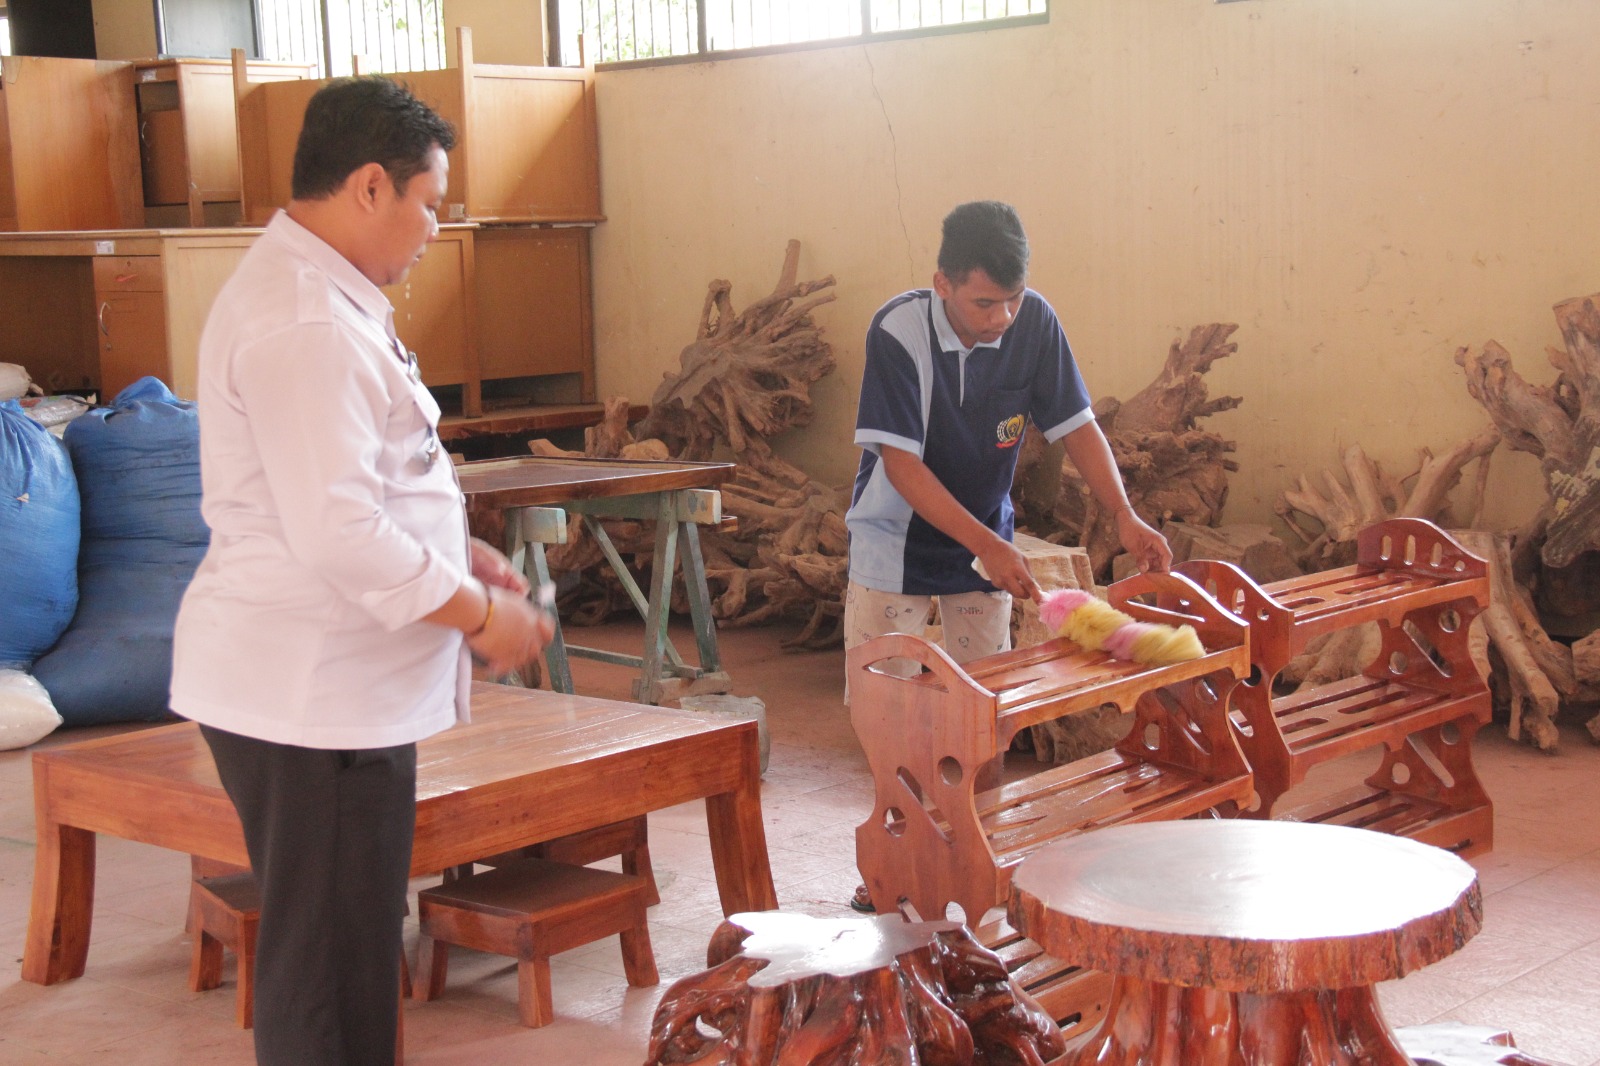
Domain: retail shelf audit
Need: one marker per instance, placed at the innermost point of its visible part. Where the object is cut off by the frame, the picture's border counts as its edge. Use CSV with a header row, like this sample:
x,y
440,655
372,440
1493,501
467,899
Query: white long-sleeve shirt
x,y
333,532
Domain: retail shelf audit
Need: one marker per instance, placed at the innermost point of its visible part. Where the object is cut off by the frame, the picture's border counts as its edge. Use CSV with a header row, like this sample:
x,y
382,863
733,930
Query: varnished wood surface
x,y
532,766
537,480
937,836
793,989
528,419
1242,943
1248,905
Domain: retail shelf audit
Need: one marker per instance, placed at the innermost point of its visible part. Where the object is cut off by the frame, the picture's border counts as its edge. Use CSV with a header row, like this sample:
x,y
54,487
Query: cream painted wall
x,y
124,29
1362,185
503,31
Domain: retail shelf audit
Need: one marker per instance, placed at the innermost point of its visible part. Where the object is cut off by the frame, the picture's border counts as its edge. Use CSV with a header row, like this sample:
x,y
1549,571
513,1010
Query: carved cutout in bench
x,y
1421,700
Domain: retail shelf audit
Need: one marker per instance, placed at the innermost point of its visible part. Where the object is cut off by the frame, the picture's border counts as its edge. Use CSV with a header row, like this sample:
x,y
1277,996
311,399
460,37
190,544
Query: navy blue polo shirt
x,y
961,411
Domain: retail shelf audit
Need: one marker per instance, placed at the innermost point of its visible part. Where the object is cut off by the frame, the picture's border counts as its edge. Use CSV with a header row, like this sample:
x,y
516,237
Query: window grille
x,y
631,30
394,35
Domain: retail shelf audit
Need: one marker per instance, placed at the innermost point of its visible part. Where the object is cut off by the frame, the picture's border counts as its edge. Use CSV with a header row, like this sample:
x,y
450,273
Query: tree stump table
x,y
1245,942
880,991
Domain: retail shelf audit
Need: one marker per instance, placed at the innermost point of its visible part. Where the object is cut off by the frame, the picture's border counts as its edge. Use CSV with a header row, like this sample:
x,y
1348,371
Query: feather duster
x,y
1093,624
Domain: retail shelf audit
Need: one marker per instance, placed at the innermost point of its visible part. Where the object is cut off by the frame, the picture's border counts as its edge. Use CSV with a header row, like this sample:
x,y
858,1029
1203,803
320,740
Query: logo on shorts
x,y
1009,431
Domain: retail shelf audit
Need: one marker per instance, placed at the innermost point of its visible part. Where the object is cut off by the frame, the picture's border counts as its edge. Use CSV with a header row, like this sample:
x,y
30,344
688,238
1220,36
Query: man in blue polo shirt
x,y
952,376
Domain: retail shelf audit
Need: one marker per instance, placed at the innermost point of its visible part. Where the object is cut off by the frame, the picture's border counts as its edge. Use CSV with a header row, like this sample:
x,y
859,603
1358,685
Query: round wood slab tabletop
x,y
1246,905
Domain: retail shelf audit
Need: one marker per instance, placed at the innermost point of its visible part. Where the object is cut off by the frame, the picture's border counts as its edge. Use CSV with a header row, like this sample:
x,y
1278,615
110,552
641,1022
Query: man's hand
x,y
494,569
1006,568
1148,547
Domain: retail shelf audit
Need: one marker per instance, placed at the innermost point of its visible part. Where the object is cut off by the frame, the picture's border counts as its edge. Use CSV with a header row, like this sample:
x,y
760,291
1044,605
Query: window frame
x,y
706,55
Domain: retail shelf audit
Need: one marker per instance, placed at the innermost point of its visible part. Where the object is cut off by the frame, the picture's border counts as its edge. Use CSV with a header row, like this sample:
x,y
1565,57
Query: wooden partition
x,y
527,146
69,151
188,133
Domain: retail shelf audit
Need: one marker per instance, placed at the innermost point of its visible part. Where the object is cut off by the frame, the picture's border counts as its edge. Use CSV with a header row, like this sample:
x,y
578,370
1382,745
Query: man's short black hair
x,y
351,122
984,235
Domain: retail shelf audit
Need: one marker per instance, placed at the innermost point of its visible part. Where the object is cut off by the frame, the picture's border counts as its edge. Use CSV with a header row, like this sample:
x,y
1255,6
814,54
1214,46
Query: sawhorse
x,y
678,514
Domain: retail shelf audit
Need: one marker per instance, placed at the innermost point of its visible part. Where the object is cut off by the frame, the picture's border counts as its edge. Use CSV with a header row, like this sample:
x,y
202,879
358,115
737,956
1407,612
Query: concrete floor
x,y
1535,969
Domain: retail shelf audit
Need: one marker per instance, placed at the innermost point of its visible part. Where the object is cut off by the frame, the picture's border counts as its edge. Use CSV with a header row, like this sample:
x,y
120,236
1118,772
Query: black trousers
x,y
329,835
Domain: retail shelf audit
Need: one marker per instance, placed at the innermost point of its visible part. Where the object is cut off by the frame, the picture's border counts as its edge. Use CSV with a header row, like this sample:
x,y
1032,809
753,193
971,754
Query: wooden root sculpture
x,y
747,375
1557,554
787,988
1327,517
1172,469
745,378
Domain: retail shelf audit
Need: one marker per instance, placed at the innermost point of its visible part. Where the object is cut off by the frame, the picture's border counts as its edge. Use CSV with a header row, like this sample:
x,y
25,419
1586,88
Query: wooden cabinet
x,y
433,314
527,145
534,303
100,310
69,153
188,135
130,320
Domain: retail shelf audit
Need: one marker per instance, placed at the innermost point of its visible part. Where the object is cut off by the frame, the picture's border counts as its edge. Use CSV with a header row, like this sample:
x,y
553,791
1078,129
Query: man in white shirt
x,y
329,627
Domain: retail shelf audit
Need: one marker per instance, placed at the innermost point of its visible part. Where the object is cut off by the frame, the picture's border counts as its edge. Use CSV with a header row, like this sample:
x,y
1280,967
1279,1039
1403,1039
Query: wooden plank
x,y
533,418
496,484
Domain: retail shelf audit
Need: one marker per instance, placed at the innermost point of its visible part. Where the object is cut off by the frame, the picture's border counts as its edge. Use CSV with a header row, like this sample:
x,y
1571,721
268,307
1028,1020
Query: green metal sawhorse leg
x,y
663,674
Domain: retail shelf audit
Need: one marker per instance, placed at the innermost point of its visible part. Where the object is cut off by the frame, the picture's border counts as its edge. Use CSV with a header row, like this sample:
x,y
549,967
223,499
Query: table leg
x,y
1152,1024
694,584
662,564
739,840
63,896
555,653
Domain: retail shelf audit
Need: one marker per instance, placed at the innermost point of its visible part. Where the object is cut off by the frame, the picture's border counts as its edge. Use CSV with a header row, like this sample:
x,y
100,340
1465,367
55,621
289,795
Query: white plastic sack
x,y
26,713
14,381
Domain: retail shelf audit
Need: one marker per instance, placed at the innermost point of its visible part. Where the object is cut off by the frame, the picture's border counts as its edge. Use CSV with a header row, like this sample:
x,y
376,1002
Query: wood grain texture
x,y
1238,942
532,766
788,988
1419,701
541,480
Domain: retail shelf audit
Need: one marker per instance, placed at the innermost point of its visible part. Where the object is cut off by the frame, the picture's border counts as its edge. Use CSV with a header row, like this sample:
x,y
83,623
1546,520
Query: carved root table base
x,y
1165,1025
790,989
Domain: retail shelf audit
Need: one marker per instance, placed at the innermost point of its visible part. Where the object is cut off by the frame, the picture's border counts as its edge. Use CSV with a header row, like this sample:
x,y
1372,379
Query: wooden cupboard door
x,y
534,314
432,313
196,269
133,339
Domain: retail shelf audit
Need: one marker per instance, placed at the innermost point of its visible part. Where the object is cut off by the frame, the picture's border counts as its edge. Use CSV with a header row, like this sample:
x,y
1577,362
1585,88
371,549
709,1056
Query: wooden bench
x,y
936,838
1421,699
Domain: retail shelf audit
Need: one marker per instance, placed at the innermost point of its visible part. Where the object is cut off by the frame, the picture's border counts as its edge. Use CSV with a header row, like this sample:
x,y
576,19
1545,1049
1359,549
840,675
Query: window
x,y
629,30
5,33
393,35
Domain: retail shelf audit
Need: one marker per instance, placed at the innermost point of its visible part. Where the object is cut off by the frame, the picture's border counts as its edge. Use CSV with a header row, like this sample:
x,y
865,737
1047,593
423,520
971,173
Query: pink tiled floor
x,y
1535,969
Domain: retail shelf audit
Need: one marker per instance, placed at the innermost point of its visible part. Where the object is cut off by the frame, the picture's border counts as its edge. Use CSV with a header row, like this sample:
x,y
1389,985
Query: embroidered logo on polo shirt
x,y
1009,431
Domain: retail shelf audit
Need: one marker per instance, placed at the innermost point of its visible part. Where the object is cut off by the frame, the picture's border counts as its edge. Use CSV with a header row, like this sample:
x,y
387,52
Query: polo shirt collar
x,y
946,333
367,297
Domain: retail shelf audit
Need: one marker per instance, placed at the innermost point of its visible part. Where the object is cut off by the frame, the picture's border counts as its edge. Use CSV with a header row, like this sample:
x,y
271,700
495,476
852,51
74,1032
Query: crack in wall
x,y
894,156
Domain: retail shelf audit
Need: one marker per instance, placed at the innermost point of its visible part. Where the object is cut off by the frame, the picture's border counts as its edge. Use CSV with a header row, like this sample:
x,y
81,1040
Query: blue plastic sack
x,y
138,467
38,538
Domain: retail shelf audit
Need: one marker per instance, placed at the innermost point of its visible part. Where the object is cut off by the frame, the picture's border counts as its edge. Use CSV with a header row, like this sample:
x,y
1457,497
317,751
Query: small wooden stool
x,y
224,912
629,838
530,910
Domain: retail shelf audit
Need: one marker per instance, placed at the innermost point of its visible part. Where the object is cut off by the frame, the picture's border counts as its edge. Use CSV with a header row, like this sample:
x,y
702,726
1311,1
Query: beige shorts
x,y
975,623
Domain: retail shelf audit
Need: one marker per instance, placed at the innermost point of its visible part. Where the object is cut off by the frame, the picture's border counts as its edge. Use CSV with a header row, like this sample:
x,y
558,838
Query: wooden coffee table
x,y
1244,941
532,766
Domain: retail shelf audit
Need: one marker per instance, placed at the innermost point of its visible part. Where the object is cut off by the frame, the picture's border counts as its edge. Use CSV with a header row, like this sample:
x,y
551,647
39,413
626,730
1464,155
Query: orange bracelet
x,y
488,616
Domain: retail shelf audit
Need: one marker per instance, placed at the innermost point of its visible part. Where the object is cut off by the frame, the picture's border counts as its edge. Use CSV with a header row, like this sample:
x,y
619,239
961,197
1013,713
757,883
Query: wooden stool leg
x,y
433,960
636,861
244,954
535,1004
638,958
205,963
